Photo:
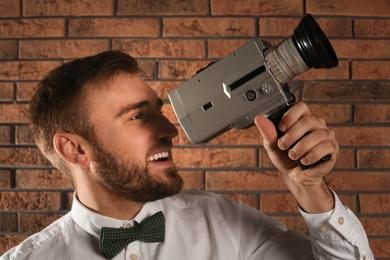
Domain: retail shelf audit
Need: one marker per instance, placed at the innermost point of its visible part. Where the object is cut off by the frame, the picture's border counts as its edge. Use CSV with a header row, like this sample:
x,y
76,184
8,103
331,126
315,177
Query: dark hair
x,y
60,103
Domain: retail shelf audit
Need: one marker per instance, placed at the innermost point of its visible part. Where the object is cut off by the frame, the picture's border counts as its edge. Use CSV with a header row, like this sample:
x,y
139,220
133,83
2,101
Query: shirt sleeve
x,y
337,234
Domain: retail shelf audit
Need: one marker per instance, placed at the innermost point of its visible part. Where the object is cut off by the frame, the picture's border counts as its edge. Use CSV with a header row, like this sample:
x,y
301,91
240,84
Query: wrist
x,y
313,198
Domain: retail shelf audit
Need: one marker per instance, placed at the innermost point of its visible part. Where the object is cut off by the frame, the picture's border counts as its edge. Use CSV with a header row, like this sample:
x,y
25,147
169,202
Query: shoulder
x,y
44,239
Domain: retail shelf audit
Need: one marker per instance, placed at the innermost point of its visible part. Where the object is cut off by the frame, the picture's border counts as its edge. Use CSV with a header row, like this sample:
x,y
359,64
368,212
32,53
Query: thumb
x,y
268,131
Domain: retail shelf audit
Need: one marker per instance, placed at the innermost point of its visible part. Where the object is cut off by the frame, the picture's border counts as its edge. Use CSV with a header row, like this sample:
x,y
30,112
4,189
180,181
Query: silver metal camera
x,y
231,92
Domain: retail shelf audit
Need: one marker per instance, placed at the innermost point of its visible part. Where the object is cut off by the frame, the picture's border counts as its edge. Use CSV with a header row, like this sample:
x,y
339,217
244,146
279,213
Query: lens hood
x,y
312,44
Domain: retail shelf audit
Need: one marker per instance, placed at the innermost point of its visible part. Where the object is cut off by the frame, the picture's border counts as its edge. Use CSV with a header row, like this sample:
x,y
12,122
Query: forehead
x,y
122,90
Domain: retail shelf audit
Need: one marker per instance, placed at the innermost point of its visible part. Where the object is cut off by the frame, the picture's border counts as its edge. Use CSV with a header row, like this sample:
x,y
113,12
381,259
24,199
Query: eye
x,y
137,117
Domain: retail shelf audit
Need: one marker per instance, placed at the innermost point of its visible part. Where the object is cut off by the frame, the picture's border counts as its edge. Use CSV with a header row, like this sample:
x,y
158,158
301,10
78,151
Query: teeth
x,y
158,156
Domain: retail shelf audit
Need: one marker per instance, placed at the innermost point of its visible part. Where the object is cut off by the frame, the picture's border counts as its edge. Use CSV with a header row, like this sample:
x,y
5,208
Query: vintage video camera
x,y
251,81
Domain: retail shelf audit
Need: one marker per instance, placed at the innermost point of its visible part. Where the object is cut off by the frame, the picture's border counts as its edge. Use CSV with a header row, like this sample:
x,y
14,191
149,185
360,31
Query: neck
x,y
103,201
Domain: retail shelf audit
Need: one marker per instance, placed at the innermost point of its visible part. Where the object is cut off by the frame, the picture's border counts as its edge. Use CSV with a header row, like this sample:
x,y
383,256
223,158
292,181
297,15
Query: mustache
x,y
163,143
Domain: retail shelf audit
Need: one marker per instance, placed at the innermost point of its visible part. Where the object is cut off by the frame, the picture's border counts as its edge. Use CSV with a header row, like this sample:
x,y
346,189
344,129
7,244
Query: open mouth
x,y
159,157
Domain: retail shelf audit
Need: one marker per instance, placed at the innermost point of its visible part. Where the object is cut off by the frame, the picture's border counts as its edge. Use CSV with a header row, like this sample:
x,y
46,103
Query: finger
x,y
307,124
297,111
314,146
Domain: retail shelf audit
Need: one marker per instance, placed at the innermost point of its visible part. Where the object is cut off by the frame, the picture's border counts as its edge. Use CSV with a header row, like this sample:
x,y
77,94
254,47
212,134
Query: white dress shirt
x,y
202,227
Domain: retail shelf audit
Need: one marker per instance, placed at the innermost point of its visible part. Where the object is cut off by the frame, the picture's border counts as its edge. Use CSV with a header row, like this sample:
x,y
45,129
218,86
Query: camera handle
x,y
275,119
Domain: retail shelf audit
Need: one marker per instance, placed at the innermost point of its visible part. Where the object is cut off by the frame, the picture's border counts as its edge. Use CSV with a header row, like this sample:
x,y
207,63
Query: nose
x,y
164,127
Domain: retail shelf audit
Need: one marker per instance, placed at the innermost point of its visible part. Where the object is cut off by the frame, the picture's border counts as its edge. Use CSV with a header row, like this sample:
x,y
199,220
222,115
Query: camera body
x,y
229,93
251,81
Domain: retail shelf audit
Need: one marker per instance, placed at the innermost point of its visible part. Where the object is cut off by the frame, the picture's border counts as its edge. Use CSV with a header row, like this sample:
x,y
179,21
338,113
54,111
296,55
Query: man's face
x,y
134,139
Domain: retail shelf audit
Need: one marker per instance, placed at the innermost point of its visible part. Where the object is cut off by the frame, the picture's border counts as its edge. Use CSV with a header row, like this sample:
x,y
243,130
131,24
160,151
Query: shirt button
x,y
341,220
133,257
364,257
324,228
128,225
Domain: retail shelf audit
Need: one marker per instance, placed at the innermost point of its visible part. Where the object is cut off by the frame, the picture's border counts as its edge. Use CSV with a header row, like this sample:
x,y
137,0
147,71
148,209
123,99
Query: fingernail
x,y
292,154
282,144
304,160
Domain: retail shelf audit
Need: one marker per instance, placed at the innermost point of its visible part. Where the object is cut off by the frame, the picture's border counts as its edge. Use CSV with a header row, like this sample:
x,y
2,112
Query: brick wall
x,y
172,39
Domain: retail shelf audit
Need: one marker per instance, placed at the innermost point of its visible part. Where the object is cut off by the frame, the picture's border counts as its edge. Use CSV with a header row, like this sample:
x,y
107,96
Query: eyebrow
x,y
138,105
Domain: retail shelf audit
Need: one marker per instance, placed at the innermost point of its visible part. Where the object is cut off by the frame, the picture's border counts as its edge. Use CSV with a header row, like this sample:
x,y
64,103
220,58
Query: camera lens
x,y
251,95
307,48
312,44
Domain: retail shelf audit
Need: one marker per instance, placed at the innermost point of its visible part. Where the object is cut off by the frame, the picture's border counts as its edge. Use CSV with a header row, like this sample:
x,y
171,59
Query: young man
x,y
102,126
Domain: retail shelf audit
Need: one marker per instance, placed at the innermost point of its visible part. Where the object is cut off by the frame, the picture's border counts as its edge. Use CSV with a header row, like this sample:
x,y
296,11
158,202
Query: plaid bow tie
x,y
113,240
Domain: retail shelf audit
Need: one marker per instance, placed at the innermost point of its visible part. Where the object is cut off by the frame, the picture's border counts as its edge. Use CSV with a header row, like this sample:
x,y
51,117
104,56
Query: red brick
x,y
69,200
24,200
372,113
253,7
380,247
23,135
161,48
214,157
349,200
247,199
379,70
244,180
375,159
219,48
179,69
364,136
340,72
41,179
25,90
376,226
365,28
346,91
9,9
9,241
26,70
374,203
211,27
21,156
345,159
361,49
293,223
5,180
32,222
332,113
346,7
60,49
148,69
7,90
32,28
193,180
116,27
275,203
359,181
8,50
6,134
14,113
284,27
8,222
162,88
67,8
161,7
250,136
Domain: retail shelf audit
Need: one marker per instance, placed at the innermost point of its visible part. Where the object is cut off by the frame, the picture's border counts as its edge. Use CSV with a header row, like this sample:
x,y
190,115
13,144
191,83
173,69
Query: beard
x,y
133,181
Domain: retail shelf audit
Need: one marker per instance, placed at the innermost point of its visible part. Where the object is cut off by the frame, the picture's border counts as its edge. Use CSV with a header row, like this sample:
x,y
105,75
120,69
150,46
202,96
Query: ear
x,y
72,148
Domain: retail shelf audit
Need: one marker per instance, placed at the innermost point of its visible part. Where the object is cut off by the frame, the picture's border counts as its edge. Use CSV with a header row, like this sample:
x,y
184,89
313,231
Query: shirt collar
x,y
92,222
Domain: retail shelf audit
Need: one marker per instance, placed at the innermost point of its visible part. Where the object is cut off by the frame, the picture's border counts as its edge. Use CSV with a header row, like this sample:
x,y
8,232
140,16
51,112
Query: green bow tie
x,y
113,240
